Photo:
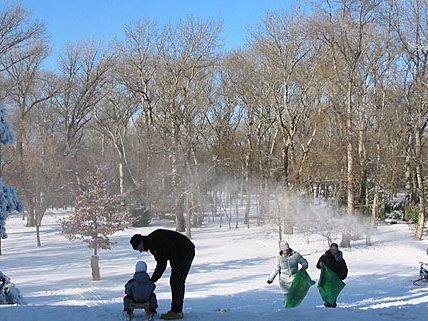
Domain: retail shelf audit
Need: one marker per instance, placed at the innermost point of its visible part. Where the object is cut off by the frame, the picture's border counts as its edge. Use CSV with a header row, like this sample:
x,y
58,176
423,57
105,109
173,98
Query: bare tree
x,y
287,51
84,75
411,26
113,117
343,26
187,54
17,34
29,87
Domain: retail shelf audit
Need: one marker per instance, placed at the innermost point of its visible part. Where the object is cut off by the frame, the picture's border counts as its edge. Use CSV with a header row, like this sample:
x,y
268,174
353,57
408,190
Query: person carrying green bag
x,y
333,271
298,289
287,266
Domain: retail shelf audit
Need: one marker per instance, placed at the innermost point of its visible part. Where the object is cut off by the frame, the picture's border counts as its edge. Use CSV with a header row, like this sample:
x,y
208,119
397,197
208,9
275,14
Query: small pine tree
x,y
6,135
9,203
98,215
9,200
9,293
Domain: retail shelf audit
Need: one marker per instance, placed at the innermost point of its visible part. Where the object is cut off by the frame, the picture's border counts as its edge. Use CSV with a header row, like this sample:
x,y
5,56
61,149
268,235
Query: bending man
x,y
176,248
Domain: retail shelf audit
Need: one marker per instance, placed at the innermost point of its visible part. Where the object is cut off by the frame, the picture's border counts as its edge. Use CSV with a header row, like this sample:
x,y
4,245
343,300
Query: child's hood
x,y
141,277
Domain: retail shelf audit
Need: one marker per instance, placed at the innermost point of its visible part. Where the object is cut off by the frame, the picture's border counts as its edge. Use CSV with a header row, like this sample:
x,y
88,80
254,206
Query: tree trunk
x,y
148,153
288,227
39,243
289,214
204,211
31,216
260,207
266,200
420,183
23,173
247,207
346,236
375,214
121,178
241,192
198,210
128,180
408,175
39,213
95,267
189,215
285,152
215,205
247,177
237,211
377,176
363,170
316,188
262,202
221,209
177,183
279,218
179,214
229,205
103,142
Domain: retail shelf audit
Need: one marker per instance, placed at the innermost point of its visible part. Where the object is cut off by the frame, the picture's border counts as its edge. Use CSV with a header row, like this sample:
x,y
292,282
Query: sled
x,y
329,285
143,306
298,289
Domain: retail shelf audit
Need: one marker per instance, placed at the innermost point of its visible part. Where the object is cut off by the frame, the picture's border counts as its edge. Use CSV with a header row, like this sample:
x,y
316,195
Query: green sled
x,y
298,289
329,285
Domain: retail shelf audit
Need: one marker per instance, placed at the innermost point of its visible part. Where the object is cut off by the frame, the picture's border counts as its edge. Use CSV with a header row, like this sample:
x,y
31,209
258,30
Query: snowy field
x,y
227,281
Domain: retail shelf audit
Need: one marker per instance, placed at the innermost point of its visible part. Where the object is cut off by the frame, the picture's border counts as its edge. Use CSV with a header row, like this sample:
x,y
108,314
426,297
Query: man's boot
x,y
170,315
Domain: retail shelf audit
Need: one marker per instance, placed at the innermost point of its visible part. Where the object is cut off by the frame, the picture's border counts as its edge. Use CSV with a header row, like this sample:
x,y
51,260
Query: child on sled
x,y
140,290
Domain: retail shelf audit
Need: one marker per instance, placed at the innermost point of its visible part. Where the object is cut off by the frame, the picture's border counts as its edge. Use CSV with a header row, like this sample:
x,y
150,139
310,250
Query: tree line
x,y
334,92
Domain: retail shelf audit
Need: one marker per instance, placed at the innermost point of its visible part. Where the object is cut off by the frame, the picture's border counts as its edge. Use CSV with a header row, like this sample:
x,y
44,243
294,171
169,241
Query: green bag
x,y
298,289
329,285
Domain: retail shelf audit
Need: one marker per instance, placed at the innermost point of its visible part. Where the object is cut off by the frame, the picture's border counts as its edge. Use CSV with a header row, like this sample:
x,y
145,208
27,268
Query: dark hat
x,y
136,239
334,245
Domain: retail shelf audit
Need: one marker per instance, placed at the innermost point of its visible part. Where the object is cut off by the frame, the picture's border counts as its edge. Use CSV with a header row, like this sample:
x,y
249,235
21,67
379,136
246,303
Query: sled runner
x,y
137,305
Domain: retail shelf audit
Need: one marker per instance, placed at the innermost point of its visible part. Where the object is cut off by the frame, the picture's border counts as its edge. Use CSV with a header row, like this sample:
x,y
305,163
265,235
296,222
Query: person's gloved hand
x,y
269,282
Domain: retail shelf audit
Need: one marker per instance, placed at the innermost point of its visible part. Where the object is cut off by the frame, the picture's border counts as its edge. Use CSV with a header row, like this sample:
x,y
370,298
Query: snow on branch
x,y
98,215
9,293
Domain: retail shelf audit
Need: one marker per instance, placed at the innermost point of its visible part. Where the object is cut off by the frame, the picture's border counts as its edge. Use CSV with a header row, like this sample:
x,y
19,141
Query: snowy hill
x,y
227,281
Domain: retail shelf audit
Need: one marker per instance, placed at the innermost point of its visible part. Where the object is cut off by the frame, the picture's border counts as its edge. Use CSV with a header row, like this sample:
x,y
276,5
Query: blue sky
x,y
71,20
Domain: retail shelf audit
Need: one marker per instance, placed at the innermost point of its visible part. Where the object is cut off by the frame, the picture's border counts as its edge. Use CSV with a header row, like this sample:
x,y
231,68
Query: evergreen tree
x,y
9,293
9,200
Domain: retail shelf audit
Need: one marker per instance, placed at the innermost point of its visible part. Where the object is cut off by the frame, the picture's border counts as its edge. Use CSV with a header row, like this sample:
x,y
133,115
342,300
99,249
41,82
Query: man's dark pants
x,y
179,272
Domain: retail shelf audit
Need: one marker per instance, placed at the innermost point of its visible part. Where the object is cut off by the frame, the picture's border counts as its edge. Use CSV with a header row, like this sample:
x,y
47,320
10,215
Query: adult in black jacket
x,y
333,259
166,245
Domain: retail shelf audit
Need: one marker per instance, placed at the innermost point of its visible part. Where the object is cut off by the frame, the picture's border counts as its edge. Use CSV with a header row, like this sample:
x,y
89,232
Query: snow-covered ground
x,y
227,280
